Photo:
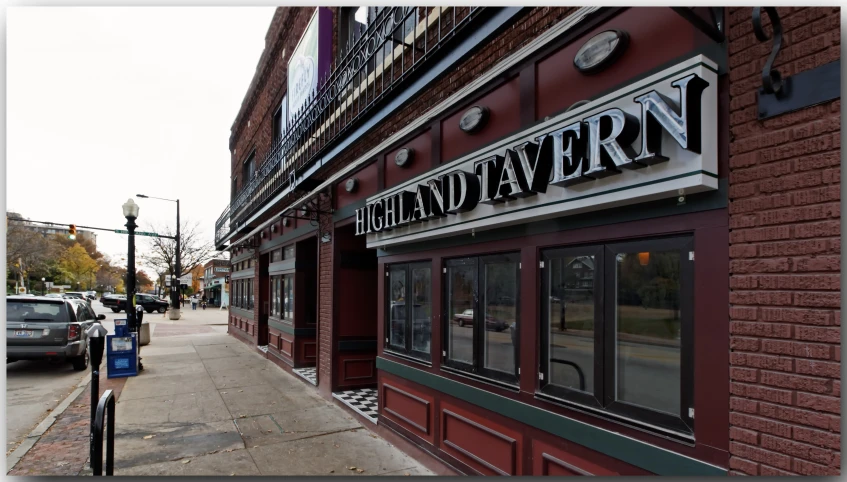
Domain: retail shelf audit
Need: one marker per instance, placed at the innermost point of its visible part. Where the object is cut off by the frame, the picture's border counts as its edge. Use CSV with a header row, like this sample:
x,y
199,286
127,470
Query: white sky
x,y
107,102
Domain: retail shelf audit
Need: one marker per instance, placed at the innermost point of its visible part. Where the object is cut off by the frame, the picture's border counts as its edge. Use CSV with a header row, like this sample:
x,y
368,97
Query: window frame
x,y
477,366
604,399
558,391
407,350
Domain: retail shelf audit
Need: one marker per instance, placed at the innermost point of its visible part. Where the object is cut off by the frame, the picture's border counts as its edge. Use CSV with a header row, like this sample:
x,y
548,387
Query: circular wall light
x,y
474,119
404,157
600,51
273,228
286,222
351,184
263,234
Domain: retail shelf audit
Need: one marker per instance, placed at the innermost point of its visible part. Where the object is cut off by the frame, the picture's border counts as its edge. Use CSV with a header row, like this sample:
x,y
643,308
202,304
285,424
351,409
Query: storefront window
x,y
482,314
410,309
288,297
275,296
617,323
276,255
288,252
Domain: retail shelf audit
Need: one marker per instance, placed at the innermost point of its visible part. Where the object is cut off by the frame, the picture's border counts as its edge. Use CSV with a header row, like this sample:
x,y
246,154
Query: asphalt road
x,y
35,388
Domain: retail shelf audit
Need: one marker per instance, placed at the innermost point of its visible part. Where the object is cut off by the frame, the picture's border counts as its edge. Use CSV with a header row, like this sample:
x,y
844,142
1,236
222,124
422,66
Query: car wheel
x,y
149,310
80,363
462,323
161,309
115,310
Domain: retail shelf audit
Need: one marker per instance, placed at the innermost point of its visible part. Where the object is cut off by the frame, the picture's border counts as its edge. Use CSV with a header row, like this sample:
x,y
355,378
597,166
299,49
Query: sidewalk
x,y
200,407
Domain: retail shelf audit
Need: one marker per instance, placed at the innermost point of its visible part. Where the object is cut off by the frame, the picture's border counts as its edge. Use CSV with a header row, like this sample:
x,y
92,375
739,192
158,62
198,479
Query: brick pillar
x,y
325,267
785,220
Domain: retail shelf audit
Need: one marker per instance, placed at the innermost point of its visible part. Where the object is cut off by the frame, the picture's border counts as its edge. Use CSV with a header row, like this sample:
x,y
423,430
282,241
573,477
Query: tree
x,y
27,251
77,264
194,250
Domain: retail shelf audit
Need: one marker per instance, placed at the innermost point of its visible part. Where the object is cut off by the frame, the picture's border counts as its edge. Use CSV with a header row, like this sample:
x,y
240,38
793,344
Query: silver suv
x,y
48,328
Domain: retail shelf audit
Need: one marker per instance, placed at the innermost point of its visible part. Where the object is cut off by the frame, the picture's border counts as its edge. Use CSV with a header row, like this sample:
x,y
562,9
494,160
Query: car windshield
x,y
21,310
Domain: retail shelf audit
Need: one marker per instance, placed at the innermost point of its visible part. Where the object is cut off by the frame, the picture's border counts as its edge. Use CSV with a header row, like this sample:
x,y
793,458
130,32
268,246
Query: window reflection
x,y
500,312
421,309
461,279
397,292
648,329
570,312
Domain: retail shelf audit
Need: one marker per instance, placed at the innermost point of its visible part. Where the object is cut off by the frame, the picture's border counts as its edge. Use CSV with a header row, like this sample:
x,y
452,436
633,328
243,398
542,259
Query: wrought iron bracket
x,y
780,95
308,211
715,30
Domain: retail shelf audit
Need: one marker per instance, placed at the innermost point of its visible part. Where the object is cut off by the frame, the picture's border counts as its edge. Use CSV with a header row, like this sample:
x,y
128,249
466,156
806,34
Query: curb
x,y
36,433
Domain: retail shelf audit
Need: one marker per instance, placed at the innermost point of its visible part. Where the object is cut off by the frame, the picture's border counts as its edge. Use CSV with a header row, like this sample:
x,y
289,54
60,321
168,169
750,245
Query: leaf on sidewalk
x,y
186,461
148,437
331,471
360,470
353,467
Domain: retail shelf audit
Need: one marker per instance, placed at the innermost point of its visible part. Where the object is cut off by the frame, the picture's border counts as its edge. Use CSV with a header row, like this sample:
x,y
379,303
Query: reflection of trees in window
x,y
648,294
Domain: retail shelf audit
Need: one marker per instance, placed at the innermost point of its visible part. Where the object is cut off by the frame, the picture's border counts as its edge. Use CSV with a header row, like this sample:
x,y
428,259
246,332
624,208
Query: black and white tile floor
x,y
310,374
363,401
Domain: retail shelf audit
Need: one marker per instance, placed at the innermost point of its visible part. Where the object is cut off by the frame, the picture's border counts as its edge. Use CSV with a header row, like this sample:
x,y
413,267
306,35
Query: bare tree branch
x,y
161,255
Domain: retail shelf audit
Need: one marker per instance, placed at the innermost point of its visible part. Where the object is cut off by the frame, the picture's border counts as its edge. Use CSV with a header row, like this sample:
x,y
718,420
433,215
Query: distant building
x,y
214,282
81,234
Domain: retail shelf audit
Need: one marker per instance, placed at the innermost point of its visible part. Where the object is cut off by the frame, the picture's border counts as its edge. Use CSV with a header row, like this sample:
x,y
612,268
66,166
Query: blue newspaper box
x,y
121,352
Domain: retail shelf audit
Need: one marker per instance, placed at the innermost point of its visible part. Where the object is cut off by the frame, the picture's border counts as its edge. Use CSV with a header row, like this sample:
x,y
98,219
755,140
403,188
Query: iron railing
x,y
398,42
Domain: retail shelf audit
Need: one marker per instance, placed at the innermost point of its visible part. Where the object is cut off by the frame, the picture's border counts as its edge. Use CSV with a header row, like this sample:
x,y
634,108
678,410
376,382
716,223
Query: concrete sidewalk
x,y
208,405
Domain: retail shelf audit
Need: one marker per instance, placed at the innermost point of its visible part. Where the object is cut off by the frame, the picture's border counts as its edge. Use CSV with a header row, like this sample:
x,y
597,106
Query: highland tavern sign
x,y
654,138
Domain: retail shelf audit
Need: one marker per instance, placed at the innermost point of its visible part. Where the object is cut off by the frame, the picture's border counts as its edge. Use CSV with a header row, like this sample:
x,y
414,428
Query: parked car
x,y
149,303
48,328
54,295
78,294
467,317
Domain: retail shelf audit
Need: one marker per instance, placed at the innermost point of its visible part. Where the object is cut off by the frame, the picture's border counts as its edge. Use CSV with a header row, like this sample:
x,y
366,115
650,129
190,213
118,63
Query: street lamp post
x,y
131,214
175,314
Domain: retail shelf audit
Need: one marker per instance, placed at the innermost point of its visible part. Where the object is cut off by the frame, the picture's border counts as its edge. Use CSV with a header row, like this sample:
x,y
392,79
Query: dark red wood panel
x,y
367,186
410,409
479,442
357,302
504,106
550,460
421,163
657,35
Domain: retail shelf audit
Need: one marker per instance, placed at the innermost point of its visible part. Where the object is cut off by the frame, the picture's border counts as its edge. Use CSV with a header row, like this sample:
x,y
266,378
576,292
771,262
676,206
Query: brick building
x,y
529,241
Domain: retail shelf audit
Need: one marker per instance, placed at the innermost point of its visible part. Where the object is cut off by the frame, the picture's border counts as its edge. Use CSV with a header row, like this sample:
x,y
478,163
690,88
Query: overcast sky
x,y
106,102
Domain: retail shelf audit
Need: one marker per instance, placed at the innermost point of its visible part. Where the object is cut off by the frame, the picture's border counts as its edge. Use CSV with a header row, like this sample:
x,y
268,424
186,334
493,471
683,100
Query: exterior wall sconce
x,y
286,222
326,237
404,157
644,258
263,234
474,119
351,185
600,51
273,228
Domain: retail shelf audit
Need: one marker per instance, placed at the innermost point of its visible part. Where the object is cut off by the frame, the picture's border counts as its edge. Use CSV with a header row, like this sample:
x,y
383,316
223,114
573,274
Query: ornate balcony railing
x,y
398,42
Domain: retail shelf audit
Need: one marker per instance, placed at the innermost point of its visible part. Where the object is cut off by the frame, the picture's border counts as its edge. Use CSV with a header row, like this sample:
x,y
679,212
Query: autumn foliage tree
x,y
77,264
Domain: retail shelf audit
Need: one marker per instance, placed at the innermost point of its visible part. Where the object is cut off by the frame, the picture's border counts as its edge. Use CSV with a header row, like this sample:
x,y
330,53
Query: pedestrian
x,y
194,302
204,304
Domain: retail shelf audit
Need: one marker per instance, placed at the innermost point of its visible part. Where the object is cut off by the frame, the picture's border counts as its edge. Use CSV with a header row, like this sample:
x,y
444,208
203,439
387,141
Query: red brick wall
x,y
785,220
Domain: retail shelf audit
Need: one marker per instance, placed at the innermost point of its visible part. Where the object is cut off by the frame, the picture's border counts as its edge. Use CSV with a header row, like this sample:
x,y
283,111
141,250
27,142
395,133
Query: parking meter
x,y
96,342
139,315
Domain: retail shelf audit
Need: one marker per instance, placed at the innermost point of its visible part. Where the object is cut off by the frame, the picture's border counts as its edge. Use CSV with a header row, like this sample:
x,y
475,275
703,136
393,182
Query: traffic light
x,y
72,231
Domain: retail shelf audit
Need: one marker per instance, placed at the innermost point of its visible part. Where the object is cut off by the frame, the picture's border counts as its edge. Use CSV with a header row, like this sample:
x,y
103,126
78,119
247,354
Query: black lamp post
x,y
174,292
131,214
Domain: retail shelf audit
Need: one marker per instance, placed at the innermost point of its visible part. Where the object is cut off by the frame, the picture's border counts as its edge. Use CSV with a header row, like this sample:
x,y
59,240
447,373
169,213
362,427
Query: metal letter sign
x,y
647,141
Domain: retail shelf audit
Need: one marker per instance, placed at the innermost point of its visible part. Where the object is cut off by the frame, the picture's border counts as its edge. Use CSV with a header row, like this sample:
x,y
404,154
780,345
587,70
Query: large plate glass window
x,y
617,330
288,297
482,315
409,310
276,298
